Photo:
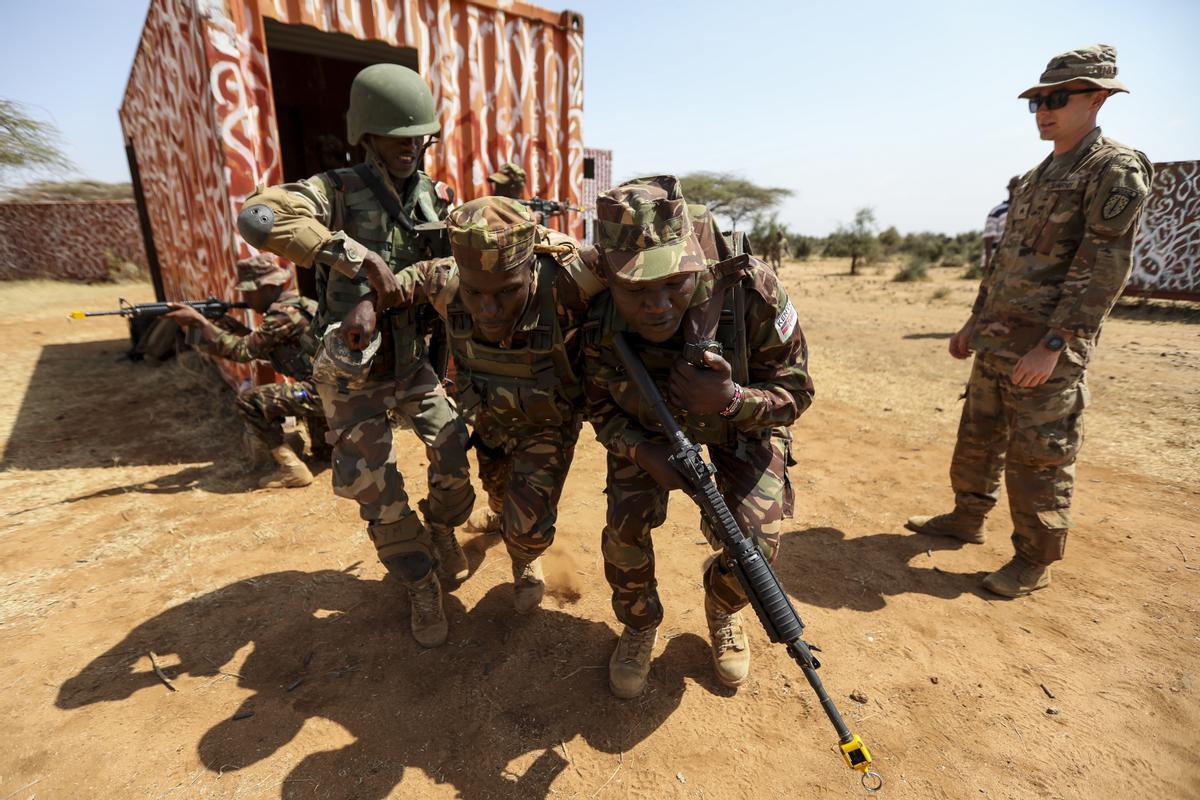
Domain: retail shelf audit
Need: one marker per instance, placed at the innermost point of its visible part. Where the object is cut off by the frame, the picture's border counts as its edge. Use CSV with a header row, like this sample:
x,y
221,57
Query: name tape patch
x,y
785,323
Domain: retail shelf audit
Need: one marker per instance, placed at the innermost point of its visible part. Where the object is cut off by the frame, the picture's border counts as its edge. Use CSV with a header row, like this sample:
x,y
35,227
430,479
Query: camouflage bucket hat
x,y
493,234
645,230
508,172
1096,64
258,271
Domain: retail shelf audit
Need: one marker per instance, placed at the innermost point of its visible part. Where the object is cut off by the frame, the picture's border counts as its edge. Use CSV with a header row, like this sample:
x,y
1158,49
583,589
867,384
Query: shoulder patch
x,y
1116,202
443,192
785,321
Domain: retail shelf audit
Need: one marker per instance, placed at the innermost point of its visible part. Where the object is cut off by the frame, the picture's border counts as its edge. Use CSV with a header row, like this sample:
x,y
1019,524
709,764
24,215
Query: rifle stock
x,y
755,574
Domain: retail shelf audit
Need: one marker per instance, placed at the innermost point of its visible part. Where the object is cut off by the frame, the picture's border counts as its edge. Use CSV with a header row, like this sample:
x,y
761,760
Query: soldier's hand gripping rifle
x,y
212,308
548,207
753,571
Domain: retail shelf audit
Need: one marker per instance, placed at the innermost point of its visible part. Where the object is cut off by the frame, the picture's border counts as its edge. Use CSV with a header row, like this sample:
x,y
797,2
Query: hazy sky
x,y
906,107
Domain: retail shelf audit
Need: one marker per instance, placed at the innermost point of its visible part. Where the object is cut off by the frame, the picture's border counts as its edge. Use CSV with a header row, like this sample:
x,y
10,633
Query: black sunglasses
x,y
1056,99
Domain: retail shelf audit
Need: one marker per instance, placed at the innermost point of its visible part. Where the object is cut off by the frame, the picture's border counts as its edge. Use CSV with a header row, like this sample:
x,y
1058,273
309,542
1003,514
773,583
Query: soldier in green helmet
x,y
513,298
357,227
658,261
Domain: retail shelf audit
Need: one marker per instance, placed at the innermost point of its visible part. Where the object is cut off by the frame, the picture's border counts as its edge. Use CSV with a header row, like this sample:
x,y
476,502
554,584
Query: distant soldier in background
x,y
508,181
358,227
993,228
284,340
778,248
1062,263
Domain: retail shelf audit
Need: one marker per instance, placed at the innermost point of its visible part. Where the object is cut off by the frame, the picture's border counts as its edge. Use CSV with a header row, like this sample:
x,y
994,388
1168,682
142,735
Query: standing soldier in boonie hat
x,y
740,406
508,181
513,298
358,226
284,340
1060,265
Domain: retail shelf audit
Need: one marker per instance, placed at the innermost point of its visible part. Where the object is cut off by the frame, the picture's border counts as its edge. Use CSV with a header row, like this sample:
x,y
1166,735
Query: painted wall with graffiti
x,y
198,109
68,240
1166,255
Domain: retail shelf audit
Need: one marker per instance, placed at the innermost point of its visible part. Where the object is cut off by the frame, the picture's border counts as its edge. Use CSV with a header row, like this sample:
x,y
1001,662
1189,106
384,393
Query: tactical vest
x,y
294,358
660,358
367,221
530,386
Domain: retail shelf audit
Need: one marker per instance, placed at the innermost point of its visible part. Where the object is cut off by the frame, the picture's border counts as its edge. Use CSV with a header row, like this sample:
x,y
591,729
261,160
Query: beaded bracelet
x,y
735,404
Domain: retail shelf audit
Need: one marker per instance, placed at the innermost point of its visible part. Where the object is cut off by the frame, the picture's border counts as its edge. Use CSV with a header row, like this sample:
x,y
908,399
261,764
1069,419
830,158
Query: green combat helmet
x,y
390,100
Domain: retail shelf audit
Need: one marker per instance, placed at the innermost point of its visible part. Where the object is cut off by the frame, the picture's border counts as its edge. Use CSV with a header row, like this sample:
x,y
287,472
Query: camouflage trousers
x,y
523,471
752,477
263,409
1032,436
365,469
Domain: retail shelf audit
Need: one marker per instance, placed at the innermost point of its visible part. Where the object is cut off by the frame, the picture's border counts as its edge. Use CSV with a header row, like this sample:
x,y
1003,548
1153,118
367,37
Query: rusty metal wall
x,y
68,240
1166,255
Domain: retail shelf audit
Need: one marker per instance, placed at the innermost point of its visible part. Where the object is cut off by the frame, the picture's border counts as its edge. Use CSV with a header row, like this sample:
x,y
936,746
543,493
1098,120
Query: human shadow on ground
x,y
933,335
822,567
487,713
1149,310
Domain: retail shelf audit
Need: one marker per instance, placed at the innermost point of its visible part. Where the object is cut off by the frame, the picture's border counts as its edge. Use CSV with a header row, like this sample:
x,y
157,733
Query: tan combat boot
x,y
452,561
291,472
529,585
429,625
730,649
630,662
1017,578
486,520
957,525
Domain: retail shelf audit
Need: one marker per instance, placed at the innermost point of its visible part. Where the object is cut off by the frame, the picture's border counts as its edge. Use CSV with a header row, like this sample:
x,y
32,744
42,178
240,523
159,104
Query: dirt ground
x,y
129,524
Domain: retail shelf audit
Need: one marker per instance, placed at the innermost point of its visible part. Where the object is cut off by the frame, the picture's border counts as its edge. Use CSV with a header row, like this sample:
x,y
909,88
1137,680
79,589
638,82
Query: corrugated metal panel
x,y
1166,255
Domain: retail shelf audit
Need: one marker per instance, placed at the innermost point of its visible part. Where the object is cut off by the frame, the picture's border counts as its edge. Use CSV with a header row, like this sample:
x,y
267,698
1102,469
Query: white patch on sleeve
x,y
785,323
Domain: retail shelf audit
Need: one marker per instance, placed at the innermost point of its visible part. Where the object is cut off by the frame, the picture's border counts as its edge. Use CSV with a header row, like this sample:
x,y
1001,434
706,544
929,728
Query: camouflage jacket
x,y
282,339
777,386
533,377
1065,253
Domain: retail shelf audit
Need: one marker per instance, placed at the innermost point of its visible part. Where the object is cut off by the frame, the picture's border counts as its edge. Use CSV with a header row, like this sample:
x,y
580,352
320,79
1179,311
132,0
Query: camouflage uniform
x,y
751,449
523,396
326,222
1061,264
283,339
777,247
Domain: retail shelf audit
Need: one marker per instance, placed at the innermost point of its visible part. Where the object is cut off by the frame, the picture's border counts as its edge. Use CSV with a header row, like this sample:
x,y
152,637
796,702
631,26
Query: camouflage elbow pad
x,y
274,219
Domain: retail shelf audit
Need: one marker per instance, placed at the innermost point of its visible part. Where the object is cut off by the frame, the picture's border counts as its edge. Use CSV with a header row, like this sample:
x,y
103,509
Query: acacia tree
x,y
27,144
856,240
731,196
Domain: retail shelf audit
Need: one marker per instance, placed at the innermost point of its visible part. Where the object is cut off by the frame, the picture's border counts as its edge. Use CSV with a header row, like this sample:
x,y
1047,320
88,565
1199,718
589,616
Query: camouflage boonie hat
x,y
507,173
1096,64
645,230
493,234
258,271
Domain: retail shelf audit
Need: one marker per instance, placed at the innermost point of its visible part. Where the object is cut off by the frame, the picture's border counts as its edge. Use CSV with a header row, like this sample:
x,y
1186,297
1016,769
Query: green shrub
x,y
917,269
973,272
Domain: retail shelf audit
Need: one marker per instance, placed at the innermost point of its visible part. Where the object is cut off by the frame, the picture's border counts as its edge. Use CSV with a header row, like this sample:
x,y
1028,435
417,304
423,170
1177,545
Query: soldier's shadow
x,y
488,712
822,567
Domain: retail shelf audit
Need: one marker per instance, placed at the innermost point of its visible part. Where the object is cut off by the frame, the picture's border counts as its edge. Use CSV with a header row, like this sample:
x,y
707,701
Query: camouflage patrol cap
x,y
493,234
508,172
1096,64
645,230
258,271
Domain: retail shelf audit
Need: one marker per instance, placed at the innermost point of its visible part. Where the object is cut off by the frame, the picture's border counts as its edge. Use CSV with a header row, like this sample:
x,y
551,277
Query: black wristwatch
x,y
1054,342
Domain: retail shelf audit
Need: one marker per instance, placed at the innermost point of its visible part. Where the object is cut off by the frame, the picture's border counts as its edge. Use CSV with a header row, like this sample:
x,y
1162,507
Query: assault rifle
x,y
548,207
212,308
752,570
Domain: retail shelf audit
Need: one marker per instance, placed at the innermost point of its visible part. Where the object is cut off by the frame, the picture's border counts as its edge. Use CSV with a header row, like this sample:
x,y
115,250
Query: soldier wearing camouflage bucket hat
x,y
1063,259
283,339
508,181
659,271
513,298
357,227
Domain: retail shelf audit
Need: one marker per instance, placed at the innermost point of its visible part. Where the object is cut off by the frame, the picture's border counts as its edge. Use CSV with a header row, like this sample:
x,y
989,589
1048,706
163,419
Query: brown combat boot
x,y
730,649
429,625
630,662
452,561
1017,578
529,585
291,472
485,520
957,525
